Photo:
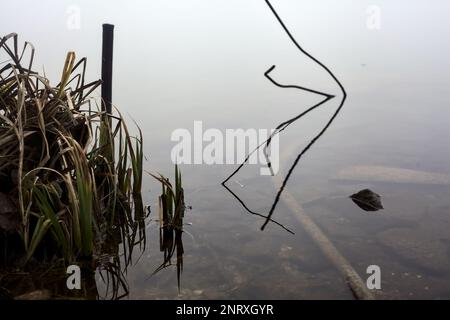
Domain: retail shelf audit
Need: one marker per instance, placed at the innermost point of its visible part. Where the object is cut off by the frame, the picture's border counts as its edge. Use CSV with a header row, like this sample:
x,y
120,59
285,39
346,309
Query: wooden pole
x,y
107,66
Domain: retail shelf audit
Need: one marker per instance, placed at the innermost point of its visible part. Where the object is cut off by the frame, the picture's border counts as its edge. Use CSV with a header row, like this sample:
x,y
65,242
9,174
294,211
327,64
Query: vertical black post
x,y
107,66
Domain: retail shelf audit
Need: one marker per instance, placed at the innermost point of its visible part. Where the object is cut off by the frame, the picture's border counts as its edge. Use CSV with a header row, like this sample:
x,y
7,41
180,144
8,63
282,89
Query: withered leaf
x,y
367,200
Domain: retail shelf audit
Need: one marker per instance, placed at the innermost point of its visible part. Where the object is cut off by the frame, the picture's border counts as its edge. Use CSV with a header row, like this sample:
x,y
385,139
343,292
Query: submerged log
x,y
352,278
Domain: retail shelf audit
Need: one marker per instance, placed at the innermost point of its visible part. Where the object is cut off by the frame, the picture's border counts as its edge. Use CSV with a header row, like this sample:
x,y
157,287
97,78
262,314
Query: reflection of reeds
x,y
171,213
76,195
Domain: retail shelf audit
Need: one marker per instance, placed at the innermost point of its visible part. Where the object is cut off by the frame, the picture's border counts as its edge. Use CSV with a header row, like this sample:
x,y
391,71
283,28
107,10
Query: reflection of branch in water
x,y
285,124
246,208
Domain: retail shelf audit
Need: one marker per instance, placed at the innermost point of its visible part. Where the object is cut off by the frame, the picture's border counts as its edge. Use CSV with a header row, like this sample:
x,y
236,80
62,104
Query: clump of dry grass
x,y
70,175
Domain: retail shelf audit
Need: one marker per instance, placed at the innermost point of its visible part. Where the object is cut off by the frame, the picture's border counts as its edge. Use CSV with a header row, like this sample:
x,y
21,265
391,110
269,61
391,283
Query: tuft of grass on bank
x,y
70,175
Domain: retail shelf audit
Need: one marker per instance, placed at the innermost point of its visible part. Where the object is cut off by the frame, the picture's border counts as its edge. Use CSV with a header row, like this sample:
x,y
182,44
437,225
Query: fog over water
x,y
179,61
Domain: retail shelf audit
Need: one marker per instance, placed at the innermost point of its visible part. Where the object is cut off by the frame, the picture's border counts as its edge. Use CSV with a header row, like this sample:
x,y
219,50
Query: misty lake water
x,y
185,61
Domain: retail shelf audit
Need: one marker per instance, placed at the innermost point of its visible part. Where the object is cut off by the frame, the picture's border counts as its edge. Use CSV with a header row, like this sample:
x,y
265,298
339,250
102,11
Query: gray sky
x,y
178,61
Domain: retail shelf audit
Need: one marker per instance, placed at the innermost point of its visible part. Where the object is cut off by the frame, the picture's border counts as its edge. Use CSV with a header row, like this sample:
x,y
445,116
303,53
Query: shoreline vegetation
x,y
70,179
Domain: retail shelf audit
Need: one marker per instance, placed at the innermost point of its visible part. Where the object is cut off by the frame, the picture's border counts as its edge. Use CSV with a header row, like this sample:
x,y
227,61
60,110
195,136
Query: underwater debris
x,y
392,175
367,200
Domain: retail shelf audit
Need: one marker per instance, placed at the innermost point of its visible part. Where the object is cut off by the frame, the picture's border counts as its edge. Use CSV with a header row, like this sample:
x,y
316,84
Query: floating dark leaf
x,y
367,200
